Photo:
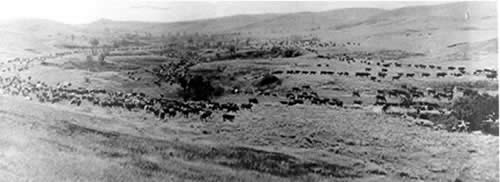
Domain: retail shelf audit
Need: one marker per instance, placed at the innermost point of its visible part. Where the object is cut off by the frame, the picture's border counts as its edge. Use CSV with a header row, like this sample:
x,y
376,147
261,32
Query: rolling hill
x,y
426,29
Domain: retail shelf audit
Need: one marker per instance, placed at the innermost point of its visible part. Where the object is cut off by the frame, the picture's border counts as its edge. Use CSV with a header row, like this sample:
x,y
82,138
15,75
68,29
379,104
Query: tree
x,y
94,43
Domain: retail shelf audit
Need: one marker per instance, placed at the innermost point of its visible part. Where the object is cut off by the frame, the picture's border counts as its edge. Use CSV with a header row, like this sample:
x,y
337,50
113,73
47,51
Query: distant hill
x,y
426,29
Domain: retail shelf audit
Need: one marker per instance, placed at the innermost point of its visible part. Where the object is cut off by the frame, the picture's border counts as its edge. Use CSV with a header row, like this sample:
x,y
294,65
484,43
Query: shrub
x,y
476,109
198,88
268,79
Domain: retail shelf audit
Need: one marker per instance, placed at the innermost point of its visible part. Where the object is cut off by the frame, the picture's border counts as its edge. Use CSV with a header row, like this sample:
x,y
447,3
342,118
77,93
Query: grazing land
x,y
360,94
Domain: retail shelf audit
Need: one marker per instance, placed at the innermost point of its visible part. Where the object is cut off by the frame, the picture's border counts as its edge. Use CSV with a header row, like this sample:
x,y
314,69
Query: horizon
x,y
159,11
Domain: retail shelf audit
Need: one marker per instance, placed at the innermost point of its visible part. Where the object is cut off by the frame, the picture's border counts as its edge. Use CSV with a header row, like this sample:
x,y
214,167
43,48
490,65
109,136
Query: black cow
x,y
441,74
228,117
253,100
355,93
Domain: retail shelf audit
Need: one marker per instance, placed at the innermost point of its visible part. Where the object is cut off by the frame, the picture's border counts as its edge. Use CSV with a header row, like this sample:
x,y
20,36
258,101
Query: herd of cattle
x,y
164,108
384,70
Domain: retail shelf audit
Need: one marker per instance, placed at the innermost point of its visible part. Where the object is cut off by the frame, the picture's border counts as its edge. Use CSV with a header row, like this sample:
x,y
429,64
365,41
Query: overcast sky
x,y
85,11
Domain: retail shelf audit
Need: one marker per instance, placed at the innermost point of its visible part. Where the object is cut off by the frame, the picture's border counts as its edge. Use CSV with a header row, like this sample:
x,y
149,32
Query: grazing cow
x,y
228,117
368,69
426,74
382,74
451,68
373,78
253,101
384,70
355,93
430,91
410,74
277,72
359,102
397,64
246,106
387,65
441,74
491,75
380,99
362,74
396,77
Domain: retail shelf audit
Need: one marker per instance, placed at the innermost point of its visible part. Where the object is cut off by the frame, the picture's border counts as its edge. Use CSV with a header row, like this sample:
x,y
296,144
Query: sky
x,y
86,11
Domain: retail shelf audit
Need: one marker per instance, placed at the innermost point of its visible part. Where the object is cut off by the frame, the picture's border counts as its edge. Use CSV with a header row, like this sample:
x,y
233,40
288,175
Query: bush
x,y
477,109
268,79
198,88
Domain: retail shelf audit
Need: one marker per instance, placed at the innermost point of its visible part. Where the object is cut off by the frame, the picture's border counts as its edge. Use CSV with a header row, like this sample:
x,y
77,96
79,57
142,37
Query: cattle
x,y
397,64
373,78
384,70
277,72
441,74
396,77
410,74
355,93
387,65
228,117
380,99
491,76
451,68
362,74
430,91
253,100
426,74
382,74
246,106
368,69
358,102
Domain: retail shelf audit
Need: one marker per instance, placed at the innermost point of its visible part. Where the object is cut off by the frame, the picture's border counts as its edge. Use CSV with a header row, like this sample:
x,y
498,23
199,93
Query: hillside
x,y
426,29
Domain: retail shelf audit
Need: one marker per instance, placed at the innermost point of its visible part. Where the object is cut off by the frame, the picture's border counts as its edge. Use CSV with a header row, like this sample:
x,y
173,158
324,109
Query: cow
x,y
410,74
441,74
228,117
396,77
382,74
253,101
380,99
355,93
491,75
246,106
426,74
362,74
